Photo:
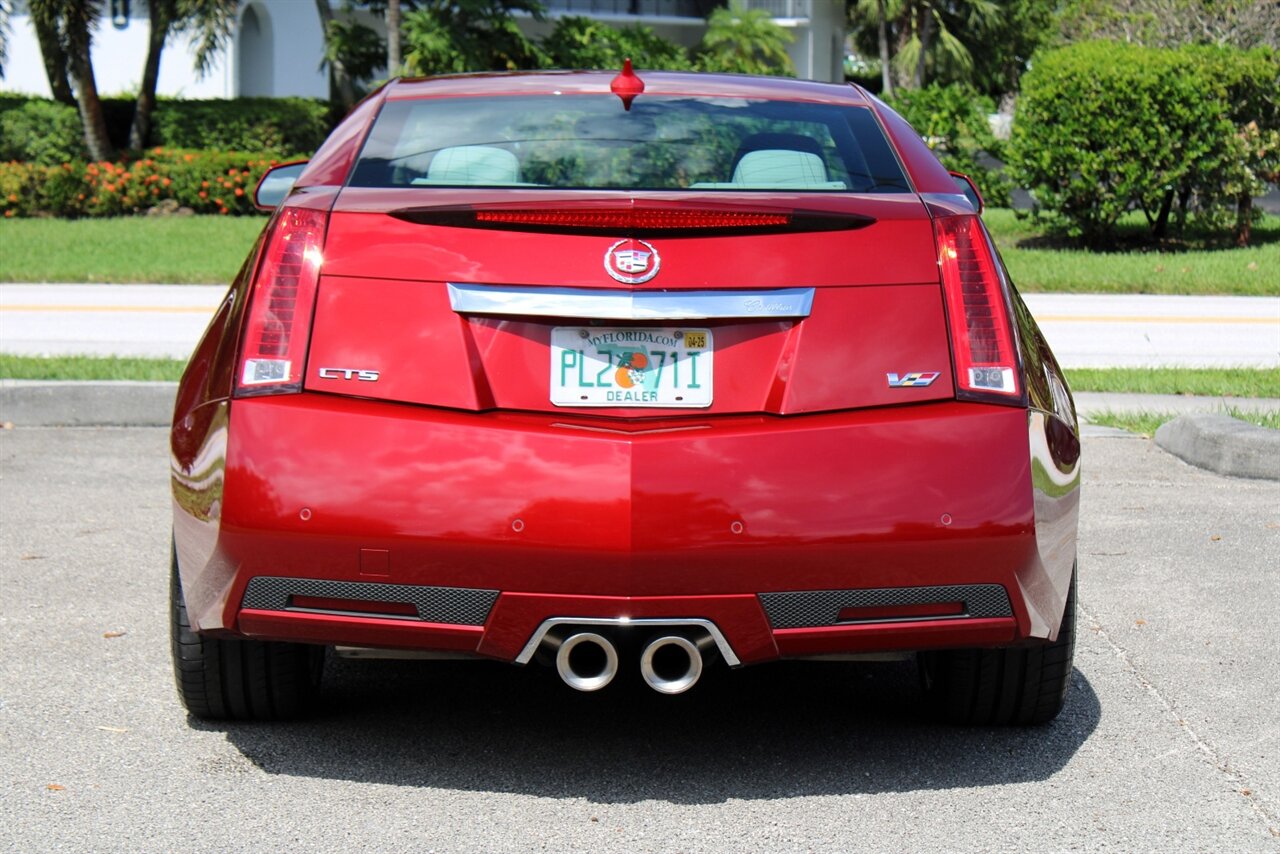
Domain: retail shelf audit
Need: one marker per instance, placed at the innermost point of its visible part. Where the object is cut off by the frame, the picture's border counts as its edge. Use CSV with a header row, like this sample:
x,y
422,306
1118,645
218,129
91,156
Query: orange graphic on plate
x,y
630,371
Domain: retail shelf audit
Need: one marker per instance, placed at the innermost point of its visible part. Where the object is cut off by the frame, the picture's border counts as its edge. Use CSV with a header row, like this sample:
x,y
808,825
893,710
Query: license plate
x,y
621,366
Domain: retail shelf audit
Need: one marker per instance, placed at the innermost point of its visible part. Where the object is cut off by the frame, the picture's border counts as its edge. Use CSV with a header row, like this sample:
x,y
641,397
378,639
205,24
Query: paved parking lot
x,y
1170,738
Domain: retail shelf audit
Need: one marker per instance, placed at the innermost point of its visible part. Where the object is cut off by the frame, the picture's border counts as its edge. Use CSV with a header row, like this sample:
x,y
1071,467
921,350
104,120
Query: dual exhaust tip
x,y
671,664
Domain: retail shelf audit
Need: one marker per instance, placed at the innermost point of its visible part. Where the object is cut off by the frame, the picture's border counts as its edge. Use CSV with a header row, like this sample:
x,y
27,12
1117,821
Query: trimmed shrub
x,y
43,132
278,126
205,181
1103,128
282,126
953,121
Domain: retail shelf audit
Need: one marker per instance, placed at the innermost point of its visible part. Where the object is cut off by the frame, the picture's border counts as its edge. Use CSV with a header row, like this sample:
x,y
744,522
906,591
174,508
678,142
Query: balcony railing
x,y
672,8
639,8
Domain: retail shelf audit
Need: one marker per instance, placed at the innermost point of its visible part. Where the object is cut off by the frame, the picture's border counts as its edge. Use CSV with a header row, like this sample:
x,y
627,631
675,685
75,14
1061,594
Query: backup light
x,y
280,305
982,340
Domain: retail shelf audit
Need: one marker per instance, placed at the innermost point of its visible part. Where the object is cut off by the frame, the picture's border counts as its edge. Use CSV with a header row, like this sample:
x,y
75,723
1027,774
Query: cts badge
x,y
632,261
912,380
349,374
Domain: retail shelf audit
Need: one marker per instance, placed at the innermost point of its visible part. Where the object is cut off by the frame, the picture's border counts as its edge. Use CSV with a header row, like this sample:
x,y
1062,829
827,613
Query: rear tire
x,y
239,679
1018,685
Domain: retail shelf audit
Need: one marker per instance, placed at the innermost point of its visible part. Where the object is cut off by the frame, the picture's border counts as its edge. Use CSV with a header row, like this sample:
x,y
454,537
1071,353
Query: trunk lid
x,y
795,320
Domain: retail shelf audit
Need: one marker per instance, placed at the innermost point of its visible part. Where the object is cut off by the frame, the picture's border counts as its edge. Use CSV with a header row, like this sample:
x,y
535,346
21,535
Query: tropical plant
x,y
587,43
945,41
450,36
210,24
353,53
70,24
4,35
745,41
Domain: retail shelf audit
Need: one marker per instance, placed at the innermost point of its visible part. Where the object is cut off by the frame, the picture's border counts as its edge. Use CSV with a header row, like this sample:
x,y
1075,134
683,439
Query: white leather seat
x,y
780,167
474,164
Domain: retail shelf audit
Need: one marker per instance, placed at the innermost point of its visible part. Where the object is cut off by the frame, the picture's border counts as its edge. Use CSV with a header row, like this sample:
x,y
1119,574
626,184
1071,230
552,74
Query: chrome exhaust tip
x,y
671,664
587,661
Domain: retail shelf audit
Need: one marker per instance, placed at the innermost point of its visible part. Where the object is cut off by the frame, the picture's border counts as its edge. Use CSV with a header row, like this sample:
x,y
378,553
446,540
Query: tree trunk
x,y
161,14
886,73
393,38
338,76
926,41
55,58
1161,226
1244,218
81,66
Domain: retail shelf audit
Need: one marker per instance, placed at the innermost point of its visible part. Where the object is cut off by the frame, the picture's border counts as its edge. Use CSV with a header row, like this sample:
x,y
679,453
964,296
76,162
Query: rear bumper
x,y
922,507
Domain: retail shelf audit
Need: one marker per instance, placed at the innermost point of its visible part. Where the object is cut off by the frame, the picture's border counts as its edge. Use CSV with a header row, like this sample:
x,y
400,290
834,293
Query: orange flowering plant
x,y
210,182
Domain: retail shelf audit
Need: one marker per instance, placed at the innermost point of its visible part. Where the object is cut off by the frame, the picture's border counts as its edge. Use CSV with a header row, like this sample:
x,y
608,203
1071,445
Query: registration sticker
x,y
631,366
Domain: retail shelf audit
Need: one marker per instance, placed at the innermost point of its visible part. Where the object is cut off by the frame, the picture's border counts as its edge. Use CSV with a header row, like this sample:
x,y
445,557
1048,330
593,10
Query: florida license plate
x,y
636,366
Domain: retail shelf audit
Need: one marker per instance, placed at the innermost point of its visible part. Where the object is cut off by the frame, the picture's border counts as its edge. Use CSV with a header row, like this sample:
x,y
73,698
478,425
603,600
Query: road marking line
x,y
1098,318
88,309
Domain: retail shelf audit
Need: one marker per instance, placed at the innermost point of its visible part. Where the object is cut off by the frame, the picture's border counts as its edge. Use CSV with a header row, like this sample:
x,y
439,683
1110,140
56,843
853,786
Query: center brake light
x,y
982,341
634,220
281,300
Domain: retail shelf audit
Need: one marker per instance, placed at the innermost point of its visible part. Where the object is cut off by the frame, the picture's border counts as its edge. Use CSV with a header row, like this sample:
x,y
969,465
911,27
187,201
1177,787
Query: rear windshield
x,y
662,143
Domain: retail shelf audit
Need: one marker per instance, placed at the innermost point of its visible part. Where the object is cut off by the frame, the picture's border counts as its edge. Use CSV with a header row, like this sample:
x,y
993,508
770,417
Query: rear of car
x,y
727,371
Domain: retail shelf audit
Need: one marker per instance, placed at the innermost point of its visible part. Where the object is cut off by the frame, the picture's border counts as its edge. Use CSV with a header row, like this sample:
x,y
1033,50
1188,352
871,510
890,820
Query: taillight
x,y
982,341
281,300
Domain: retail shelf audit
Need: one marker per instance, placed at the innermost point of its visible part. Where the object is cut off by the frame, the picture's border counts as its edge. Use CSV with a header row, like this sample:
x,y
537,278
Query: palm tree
x,y
70,25
210,22
917,37
746,41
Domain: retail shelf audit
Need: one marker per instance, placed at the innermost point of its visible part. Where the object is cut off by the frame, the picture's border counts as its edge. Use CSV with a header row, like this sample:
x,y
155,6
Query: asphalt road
x,y
1169,741
1085,330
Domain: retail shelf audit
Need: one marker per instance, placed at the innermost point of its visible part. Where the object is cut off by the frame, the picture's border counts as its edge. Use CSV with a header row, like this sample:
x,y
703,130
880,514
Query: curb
x,y
69,403
1223,444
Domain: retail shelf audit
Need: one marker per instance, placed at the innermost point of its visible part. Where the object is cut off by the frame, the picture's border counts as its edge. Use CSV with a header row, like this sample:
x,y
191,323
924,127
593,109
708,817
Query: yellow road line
x,y
1099,318
124,309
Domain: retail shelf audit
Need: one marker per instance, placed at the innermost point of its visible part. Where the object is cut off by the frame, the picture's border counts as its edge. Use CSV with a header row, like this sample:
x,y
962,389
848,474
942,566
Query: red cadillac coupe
x,y
629,375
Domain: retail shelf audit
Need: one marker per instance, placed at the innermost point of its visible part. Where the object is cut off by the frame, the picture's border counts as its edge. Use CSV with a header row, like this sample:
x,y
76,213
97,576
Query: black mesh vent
x,y
461,606
809,608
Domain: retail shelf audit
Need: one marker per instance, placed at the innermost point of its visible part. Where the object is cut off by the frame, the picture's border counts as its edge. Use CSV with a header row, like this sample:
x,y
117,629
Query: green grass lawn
x,y
209,250
88,368
182,250
1212,382
1146,423
1038,263
1236,382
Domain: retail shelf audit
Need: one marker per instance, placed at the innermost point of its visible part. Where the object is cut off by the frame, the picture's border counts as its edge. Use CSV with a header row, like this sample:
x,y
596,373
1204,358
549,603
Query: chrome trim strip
x,y
592,304
949,199
526,654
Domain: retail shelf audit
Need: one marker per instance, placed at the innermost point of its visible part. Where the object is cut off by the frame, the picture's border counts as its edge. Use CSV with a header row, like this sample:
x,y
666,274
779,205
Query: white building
x,y
276,49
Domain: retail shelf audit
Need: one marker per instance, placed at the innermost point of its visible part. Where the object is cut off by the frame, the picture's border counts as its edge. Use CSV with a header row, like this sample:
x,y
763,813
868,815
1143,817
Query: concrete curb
x,y
1223,444
36,403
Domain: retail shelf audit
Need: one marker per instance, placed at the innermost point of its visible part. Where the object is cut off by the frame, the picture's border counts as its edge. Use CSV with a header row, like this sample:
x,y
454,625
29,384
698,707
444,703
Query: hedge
x,y
205,181
280,127
1103,128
